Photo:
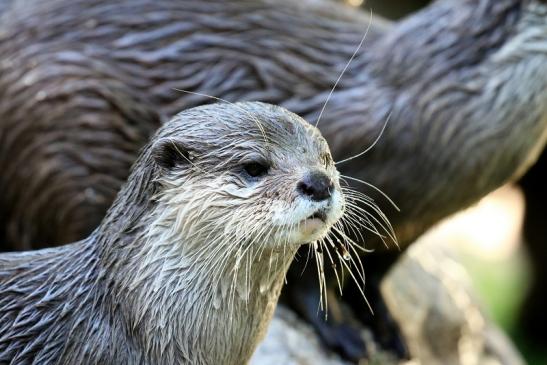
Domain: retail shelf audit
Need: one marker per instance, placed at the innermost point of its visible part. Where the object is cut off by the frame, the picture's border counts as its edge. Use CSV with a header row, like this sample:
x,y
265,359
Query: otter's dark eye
x,y
255,169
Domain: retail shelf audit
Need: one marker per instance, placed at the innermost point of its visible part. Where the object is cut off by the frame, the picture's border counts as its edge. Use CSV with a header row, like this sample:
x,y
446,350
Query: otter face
x,y
314,206
297,189
248,172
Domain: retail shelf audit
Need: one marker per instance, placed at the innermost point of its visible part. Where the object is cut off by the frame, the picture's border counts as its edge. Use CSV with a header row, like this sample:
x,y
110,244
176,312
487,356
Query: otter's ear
x,y
169,153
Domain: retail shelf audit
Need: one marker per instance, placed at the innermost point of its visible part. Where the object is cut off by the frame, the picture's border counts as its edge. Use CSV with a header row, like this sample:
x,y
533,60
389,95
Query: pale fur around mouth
x,y
310,221
320,214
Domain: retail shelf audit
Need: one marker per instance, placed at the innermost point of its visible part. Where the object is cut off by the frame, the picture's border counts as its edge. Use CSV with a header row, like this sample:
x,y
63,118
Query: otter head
x,y
245,174
216,207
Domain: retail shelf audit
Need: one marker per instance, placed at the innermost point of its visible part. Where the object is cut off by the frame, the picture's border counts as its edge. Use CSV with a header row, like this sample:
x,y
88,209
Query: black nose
x,y
316,185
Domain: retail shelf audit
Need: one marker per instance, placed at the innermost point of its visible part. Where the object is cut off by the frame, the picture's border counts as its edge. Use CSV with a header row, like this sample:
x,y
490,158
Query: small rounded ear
x,y
169,153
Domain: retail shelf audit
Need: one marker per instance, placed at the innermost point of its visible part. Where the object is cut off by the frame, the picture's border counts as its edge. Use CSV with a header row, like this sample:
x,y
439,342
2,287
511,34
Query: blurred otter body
x,y
83,84
187,265
84,101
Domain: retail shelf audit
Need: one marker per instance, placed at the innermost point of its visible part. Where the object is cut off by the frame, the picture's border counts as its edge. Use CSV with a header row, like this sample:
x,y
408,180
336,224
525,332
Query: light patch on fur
x,y
295,214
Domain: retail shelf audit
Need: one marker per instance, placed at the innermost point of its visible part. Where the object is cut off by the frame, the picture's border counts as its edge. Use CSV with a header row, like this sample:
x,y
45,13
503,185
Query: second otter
x,y
187,266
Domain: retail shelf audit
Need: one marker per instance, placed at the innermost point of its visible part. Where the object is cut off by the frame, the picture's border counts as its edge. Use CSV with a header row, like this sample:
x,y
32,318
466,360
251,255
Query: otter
x,y
83,85
187,265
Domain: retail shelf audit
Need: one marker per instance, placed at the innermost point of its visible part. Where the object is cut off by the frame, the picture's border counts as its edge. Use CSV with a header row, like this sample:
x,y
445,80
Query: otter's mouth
x,y
314,225
320,215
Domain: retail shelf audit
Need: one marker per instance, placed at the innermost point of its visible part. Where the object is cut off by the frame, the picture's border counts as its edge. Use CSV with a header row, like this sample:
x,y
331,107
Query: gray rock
x,y
430,296
290,341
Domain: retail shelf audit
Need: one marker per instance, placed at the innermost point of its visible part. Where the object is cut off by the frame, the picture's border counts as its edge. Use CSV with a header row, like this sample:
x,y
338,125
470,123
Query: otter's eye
x,y
255,169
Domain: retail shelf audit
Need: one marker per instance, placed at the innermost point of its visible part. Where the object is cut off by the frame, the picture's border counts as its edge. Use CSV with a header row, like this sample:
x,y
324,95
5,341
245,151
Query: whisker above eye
x,y
369,147
344,70
216,98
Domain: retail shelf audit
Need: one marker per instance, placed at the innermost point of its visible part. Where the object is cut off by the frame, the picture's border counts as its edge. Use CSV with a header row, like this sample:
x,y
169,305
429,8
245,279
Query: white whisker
x,y
344,70
369,147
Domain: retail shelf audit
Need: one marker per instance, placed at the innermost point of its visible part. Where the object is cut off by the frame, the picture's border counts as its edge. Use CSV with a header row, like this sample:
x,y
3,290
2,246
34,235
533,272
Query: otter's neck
x,y
185,298
195,310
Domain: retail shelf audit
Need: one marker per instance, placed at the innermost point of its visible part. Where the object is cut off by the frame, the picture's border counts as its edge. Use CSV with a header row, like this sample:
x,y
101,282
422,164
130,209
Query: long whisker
x,y
333,264
258,124
359,204
371,146
375,188
344,70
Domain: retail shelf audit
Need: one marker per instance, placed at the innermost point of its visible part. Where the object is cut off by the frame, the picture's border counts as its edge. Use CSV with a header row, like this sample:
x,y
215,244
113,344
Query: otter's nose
x,y
316,186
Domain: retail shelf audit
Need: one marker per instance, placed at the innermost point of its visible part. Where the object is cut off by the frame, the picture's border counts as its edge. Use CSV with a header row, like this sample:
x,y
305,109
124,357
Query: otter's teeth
x,y
320,214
